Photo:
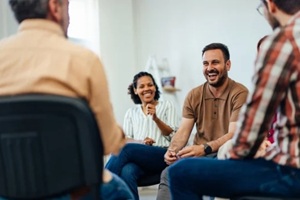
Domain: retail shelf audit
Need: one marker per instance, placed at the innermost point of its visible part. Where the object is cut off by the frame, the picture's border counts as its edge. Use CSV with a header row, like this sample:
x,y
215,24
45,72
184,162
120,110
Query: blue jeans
x,y
135,161
192,178
116,189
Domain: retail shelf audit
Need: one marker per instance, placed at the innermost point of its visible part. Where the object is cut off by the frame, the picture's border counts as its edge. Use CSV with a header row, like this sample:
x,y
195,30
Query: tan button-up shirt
x,y
39,59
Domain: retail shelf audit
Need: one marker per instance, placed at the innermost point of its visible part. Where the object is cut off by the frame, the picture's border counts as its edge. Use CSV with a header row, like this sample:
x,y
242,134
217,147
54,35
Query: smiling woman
x,y
148,126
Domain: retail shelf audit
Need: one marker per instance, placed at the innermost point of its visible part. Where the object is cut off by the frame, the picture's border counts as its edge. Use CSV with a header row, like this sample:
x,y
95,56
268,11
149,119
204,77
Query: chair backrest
x,y
49,145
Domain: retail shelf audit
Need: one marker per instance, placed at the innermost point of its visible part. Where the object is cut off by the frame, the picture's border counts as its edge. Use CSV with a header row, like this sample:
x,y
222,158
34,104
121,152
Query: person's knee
x,y
164,177
176,171
111,161
130,172
130,149
172,172
128,169
116,188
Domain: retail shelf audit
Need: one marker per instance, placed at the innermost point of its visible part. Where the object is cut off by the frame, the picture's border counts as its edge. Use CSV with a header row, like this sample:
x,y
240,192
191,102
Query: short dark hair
x,y
220,46
135,98
288,6
29,9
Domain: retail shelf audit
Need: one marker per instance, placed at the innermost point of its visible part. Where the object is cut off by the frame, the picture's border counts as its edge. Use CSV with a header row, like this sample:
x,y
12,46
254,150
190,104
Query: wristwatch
x,y
207,149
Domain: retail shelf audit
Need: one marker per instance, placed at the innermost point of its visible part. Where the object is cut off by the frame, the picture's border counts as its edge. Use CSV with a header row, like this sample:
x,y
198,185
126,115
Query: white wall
x,y
117,47
131,30
8,23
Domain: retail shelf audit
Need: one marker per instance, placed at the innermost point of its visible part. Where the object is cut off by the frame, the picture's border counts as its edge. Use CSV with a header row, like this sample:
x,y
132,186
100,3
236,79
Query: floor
x,y
148,193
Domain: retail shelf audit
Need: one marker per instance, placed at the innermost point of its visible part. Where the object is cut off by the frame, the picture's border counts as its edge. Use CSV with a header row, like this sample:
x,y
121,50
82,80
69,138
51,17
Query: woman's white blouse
x,y
138,126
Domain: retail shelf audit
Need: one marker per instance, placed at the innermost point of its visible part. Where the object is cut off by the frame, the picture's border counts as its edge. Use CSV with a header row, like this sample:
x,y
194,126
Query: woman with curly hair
x,y
149,127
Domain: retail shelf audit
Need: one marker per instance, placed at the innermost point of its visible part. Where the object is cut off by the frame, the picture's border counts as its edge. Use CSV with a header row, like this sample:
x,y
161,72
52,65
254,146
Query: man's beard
x,y
220,81
273,21
275,24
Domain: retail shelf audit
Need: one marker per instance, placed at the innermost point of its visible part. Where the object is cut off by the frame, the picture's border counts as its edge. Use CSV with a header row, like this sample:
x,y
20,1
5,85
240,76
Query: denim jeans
x,y
192,178
116,189
136,160
163,192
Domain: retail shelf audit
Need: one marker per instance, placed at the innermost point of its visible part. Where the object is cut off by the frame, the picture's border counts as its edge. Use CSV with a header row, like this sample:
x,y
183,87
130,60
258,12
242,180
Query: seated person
x,y
40,59
149,127
212,106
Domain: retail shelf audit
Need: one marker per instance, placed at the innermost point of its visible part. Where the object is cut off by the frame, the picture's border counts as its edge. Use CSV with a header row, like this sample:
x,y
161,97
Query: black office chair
x,y
49,146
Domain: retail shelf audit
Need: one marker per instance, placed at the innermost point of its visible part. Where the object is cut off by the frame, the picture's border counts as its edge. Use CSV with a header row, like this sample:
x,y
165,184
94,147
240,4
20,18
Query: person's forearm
x,y
215,144
164,128
179,140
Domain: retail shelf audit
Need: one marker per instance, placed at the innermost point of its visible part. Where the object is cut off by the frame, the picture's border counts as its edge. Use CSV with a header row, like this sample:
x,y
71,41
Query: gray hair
x,y
29,9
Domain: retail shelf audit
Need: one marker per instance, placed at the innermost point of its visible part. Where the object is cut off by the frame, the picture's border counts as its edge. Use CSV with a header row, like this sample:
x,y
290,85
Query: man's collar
x,y
41,24
209,95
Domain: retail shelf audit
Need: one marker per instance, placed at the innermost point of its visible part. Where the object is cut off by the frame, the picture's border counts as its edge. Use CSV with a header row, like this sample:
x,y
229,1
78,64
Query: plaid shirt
x,y
276,88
